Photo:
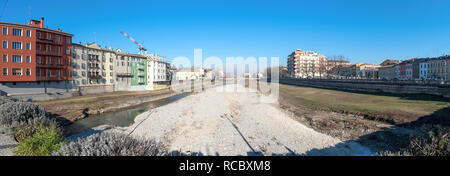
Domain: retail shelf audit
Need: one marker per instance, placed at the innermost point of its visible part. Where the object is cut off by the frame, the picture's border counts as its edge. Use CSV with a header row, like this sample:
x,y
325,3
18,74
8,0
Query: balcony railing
x,y
50,65
124,75
90,76
49,78
40,52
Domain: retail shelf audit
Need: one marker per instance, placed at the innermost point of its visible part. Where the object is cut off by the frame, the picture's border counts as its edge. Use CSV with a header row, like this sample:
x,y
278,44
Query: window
x,y
17,32
49,73
57,38
5,58
49,36
28,59
28,33
16,45
67,73
5,31
5,44
38,59
111,81
111,67
110,73
67,51
67,62
38,35
28,46
67,40
49,60
17,58
17,72
83,73
38,47
58,61
83,81
110,59
28,72
38,72
58,75
5,72
49,48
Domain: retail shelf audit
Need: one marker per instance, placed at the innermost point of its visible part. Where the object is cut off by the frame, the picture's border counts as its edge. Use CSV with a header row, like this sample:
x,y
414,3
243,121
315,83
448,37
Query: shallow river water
x,y
124,117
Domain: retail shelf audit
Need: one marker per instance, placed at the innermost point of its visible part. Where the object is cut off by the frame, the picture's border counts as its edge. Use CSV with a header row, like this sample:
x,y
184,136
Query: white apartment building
x,y
158,71
423,70
306,64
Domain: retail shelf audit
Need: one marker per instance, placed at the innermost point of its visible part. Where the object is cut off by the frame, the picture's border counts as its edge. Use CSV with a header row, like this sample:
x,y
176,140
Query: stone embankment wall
x,y
442,89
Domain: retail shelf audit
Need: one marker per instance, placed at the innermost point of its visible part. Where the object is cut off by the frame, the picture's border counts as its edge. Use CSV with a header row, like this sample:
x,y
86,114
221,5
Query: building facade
x,y
93,65
190,74
306,64
386,72
158,72
35,59
138,68
438,68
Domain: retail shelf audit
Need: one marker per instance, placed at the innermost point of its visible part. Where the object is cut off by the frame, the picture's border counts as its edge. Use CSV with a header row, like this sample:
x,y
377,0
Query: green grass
x,y
44,141
410,107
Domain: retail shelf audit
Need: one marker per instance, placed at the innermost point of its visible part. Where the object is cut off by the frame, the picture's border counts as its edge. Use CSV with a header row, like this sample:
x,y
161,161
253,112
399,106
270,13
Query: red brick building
x,y
34,56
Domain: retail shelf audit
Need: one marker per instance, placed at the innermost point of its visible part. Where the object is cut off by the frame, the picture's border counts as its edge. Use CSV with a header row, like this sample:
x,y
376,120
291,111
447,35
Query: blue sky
x,y
364,30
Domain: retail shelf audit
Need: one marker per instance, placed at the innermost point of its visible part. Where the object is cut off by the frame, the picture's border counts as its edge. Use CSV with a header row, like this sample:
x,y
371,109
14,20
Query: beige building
x,y
93,65
387,72
190,74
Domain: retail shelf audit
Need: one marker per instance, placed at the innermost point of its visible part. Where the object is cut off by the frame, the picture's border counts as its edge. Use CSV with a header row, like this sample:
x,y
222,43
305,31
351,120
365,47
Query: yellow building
x,y
93,65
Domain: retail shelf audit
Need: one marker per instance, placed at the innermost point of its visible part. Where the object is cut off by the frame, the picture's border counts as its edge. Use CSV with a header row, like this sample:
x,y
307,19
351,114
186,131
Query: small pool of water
x,y
123,117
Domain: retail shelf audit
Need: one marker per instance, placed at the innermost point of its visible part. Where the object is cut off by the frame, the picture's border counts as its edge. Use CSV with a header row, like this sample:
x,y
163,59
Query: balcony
x,y
94,76
93,66
47,41
50,65
49,79
48,53
124,75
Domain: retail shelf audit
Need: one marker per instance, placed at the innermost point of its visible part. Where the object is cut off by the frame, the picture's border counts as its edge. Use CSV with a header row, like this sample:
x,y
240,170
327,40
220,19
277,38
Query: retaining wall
x,y
375,86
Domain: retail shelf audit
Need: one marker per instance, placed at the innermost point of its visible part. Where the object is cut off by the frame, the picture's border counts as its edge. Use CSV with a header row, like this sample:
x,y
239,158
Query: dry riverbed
x,y
235,123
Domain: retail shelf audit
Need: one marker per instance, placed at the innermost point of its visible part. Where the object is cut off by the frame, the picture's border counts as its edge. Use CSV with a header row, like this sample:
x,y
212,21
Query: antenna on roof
x,y
3,9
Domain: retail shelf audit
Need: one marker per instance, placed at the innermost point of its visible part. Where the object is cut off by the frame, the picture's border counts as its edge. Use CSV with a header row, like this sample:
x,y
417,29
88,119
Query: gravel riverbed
x,y
234,123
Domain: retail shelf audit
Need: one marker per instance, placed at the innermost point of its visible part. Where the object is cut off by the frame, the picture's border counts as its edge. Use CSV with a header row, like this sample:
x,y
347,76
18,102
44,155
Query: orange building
x,y
34,54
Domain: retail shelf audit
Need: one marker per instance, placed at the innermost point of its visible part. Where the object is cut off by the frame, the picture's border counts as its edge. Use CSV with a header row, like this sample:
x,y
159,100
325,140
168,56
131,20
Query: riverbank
x,y
379,121
76,108
234,123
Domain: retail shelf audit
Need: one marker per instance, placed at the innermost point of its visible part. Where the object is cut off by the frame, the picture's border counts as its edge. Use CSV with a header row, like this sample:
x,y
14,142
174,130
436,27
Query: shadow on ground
x,y
396,138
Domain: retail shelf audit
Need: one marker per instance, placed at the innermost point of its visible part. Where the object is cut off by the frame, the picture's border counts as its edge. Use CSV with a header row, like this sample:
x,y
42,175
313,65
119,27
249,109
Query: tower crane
x,y
142,49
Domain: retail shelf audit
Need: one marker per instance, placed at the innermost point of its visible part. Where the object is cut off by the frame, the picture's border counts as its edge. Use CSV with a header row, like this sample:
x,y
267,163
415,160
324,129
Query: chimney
x,y
42,22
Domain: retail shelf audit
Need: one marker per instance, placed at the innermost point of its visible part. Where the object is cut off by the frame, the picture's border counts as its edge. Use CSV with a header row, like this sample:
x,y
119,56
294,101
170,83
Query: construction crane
x,y
142,49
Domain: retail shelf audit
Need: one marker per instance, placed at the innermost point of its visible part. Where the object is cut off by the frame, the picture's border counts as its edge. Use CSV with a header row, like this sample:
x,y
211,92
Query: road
x,y
230,123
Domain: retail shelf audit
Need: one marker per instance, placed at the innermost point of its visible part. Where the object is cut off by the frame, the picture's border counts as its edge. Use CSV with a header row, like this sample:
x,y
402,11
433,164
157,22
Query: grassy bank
x,y
75,108
392,108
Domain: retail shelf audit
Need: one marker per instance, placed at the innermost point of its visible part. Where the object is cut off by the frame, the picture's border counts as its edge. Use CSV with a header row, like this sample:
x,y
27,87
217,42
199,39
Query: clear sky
x,y
364,31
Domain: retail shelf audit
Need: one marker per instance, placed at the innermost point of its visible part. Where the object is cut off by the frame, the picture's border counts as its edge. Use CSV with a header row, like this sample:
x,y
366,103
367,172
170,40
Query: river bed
x,y
122,118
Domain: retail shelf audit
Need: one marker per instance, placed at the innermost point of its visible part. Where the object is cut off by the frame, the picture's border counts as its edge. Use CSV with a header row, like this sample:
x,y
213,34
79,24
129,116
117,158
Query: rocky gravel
x,y
234,123
7,144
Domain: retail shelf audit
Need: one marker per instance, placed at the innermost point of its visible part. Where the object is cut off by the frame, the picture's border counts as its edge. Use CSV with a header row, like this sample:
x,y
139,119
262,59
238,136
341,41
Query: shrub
x,y
27,130
44,140
5,99
111,144
18,113
435,143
